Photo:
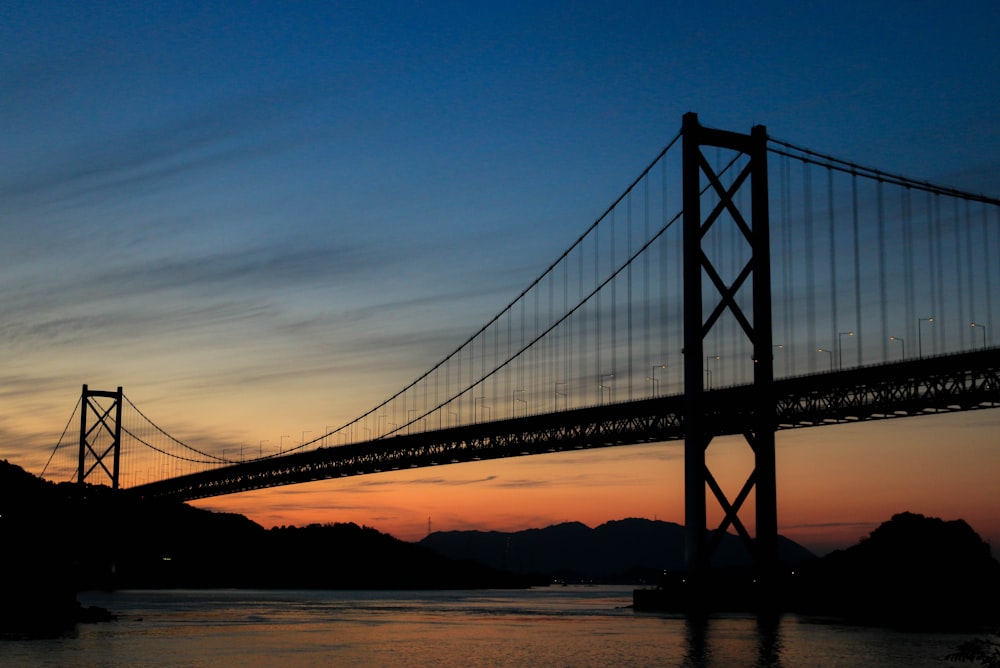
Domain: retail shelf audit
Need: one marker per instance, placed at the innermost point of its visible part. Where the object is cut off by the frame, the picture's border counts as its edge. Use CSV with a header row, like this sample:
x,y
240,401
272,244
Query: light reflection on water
x,y
557,626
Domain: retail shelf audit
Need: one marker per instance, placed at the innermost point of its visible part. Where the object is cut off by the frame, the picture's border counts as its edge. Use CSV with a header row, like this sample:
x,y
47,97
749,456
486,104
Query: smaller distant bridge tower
x,y
100,435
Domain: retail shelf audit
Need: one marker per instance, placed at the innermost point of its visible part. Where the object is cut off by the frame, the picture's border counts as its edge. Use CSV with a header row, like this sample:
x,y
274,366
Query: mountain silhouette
x,y
625,551
60,539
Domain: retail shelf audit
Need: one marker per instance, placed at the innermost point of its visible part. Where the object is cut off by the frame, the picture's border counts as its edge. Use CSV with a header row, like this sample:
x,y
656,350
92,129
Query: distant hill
x,y
629,551
912,571
60,539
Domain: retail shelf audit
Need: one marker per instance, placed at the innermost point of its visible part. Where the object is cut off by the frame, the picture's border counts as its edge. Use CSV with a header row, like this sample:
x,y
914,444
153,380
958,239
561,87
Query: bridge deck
x,y
950,383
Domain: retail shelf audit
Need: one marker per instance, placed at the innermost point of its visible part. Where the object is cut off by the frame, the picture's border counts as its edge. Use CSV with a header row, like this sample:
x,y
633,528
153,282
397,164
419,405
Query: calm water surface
x,y
557,626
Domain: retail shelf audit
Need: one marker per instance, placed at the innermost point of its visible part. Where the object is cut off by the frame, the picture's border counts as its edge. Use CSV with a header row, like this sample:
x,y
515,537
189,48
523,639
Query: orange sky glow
x,y
835,485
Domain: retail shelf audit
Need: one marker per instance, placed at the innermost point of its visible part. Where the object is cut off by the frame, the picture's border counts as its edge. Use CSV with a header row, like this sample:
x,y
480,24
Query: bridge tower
x,y
706,292
101,435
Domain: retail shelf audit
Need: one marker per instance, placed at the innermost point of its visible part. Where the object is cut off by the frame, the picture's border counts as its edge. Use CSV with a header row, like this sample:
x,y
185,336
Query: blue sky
x,y
262,218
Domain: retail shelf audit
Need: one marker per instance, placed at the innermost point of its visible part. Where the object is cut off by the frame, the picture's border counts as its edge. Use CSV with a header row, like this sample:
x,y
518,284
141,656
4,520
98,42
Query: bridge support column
x,y
100,435
705,291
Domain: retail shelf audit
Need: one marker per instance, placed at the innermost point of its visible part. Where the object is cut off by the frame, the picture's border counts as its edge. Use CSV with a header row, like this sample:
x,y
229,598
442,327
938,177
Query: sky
x,y
261,219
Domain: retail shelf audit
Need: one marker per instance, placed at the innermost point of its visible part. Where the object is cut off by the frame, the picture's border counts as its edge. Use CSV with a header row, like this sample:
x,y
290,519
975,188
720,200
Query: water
x,y
556,626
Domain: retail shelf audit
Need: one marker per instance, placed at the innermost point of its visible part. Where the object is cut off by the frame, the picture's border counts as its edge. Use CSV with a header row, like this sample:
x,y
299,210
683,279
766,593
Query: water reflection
x,y
769,645
716,641
696,652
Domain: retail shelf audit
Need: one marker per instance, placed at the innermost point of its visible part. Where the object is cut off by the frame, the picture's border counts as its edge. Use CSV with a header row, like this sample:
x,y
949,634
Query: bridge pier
x,y
724,300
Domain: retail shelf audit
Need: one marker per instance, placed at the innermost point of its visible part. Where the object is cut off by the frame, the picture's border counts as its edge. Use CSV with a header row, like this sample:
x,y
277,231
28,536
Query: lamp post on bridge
x,y
778,346
840,347
304,438
902,345
708,372
652,378
281,442
482,405
828,352
260,448
920,342
601,386
560,394
976,324
514,401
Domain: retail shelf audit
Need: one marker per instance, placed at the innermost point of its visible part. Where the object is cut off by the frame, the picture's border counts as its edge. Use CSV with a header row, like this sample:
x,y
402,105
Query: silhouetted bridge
x,y
662,322
944,384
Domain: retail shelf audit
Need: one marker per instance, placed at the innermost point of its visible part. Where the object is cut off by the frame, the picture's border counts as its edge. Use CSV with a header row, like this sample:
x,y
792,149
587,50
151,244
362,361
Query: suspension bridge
x,y
741,284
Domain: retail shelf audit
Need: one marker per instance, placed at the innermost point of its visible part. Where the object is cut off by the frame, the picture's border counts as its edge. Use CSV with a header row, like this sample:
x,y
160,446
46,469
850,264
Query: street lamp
x,y
920,343
982,327
652,377
260,448
482,405
708,372
304,437
513,403
828,352
601,386
281,442
840,347
560,394
902,345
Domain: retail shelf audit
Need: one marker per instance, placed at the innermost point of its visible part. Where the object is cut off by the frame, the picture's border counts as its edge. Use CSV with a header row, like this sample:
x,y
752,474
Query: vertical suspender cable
x,y
967,226
664,264
986,278
786,263
597,315
908,277
582,354
568,329
552,363
539,366
832,243
810,245
628,301
932,266
646,297
859,325
614,303
939,341
882,286
963,320
509,371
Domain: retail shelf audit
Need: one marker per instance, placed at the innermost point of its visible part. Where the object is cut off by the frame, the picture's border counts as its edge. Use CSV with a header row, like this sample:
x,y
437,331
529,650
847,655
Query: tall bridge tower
x,y
100,435
708,296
